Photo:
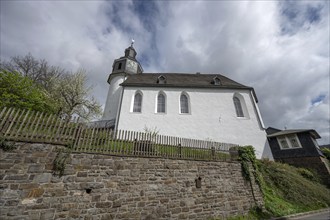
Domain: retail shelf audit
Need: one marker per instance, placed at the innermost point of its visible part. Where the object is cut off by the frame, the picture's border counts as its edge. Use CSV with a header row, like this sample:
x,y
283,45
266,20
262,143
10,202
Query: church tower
x,y
121,69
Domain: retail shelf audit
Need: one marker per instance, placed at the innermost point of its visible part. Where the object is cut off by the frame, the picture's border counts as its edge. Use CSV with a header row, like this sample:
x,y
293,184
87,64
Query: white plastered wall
x,y
113,98
212,116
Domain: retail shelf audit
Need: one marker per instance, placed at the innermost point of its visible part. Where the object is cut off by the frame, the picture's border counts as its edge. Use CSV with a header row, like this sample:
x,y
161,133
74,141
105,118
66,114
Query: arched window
x,y
184,104
137,102
161,103
238,107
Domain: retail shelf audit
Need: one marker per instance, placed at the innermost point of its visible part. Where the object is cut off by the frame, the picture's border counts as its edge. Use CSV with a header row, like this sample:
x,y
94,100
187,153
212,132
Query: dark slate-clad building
x,y
298,147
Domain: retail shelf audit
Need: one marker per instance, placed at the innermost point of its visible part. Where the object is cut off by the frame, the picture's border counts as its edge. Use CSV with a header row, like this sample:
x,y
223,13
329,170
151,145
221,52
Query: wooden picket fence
x,y
30,126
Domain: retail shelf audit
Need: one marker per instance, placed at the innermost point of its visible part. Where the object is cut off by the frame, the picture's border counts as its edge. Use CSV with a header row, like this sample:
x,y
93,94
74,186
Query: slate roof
x,y
271,130
181,80
295,131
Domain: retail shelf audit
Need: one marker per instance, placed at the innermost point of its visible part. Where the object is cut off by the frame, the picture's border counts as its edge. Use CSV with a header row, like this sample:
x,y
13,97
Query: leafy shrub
x,y
60,160
247,155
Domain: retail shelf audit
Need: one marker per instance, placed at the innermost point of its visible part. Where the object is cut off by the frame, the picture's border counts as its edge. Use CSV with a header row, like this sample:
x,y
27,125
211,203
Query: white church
x,y
198,106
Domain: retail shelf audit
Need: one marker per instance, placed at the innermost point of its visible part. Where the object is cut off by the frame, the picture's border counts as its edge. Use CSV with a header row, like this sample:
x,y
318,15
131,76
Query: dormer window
x,y
216,81
161,80
119,66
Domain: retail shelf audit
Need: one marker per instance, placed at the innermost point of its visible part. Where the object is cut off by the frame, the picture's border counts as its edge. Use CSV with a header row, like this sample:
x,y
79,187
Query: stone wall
x,y
107,187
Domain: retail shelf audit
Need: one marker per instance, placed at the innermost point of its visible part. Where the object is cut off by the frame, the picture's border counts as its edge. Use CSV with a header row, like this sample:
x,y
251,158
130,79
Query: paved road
x,y
316,216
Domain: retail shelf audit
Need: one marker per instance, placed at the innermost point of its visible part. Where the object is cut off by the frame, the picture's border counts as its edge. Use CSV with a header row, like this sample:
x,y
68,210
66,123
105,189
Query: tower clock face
x,y
131,66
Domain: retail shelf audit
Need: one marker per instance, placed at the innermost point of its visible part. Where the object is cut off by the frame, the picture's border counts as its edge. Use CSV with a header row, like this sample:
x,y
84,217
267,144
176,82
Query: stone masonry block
x,y
82,174
17,177
36,168
48,214
42,178
91,185
28,186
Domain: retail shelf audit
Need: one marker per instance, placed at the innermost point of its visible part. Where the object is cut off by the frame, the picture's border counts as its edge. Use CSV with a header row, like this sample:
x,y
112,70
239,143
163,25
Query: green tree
x,y
68,90
21,92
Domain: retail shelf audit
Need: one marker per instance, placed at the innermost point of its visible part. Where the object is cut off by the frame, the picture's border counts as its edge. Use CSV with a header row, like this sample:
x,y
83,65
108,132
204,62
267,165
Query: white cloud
x,y
281,49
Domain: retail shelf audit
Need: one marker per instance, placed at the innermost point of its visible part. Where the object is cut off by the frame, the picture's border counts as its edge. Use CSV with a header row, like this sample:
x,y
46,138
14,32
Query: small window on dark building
x,y
293,141
289,141
283,142
119,66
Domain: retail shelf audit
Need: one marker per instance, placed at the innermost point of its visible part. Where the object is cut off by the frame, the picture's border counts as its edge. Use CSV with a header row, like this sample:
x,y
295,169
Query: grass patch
x,y
253,214
287,190
148,148
189,152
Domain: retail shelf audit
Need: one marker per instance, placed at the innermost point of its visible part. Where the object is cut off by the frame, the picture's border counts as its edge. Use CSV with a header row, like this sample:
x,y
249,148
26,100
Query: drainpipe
x,y
261,123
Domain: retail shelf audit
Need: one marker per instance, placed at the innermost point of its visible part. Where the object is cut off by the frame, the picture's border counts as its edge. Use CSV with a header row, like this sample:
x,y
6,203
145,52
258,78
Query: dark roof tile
x,y
295,131
182,80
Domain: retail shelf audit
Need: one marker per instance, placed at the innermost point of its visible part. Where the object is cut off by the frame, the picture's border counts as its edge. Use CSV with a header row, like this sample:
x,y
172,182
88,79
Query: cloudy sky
x,y
281,48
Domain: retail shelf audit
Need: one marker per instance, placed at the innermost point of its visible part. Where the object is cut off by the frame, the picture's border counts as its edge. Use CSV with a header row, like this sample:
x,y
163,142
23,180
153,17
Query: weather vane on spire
x,y
132,42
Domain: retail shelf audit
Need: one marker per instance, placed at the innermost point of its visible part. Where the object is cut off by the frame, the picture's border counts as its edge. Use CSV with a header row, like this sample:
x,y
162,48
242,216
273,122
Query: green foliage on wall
x,y
59,163
247,156
6,146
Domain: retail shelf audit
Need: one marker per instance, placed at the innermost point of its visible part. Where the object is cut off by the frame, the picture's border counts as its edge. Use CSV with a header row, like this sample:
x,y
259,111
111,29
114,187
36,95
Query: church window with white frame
x,y
161,103
289,141
137,105
184,104
238,107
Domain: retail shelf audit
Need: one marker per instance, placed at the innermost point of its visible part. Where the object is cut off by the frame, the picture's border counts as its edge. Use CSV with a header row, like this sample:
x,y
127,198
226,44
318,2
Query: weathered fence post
x,y
180,150
213,153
